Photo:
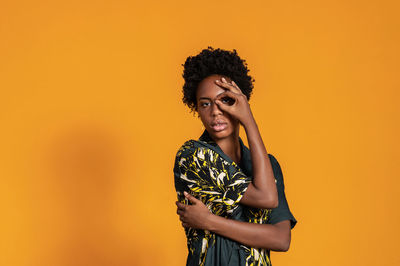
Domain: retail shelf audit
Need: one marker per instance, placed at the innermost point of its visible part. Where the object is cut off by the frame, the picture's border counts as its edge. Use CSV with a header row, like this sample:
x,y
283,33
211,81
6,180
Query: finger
x,y
232,98
180,212
190,197
228,86
222,106
236,97
185,225
181,206
236,86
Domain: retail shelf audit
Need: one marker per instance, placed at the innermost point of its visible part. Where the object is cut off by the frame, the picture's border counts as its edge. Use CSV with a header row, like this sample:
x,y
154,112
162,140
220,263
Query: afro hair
x,y
214,61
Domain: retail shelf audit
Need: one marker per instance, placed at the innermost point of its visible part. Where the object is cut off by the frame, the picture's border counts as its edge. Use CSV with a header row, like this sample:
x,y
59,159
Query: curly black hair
x,y
214,61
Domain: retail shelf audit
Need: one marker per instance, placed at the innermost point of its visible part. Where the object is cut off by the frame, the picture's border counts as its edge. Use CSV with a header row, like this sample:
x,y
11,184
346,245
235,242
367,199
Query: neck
x,y
231,146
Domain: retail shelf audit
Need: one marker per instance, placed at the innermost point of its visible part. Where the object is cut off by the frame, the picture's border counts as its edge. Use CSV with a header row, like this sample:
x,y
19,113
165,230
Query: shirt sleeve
x,y
282,212
201,172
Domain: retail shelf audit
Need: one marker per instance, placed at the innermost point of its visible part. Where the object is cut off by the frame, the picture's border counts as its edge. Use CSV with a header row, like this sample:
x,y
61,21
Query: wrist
x,y
211,222
249,123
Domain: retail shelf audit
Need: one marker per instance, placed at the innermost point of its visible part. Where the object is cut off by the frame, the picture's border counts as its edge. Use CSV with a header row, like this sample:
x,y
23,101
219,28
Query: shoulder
x,y
192,150
187,145
186,149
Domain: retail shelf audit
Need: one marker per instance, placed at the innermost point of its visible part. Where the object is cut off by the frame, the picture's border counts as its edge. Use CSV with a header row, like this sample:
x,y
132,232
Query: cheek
x,y
232,120
201,117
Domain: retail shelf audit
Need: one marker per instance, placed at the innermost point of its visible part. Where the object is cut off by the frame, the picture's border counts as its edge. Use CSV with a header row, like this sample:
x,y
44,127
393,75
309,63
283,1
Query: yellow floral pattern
x,y
220,185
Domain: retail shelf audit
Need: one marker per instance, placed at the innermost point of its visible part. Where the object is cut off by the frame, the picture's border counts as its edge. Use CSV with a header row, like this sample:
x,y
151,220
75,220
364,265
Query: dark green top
x,y
204,170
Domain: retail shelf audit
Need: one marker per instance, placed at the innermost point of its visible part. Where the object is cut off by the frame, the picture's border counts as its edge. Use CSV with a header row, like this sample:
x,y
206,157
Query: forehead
x,y
208,88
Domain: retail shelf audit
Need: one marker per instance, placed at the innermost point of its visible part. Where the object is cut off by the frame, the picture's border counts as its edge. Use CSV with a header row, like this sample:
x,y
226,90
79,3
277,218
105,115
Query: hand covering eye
x,y
228,100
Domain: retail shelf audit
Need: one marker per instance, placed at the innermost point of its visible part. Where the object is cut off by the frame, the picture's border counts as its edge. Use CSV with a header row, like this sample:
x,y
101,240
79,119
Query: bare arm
x,y
268,236
262,192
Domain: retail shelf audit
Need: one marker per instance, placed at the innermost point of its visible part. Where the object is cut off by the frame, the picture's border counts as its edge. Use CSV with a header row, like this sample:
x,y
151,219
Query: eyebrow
x,y
204,98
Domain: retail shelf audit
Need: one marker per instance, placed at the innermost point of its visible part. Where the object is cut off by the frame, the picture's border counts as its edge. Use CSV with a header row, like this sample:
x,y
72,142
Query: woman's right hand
x,y
237,104
197,215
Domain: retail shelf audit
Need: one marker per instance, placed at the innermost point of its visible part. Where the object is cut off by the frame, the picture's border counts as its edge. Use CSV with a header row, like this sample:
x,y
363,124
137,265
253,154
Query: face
x,y
218,123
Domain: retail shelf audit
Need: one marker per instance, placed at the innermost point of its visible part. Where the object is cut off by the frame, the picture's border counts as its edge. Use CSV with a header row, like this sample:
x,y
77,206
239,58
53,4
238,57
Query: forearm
x,y
262,193
267,236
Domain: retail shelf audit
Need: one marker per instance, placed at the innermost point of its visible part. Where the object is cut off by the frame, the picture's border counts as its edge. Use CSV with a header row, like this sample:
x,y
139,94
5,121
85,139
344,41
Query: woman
x,y
239,190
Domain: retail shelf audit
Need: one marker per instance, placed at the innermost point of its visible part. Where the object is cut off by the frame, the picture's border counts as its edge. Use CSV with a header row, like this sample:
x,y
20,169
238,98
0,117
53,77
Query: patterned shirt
x,y
204,170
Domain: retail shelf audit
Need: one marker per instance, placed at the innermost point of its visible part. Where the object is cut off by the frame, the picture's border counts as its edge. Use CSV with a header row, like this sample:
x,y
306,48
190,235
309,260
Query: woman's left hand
x,y
196,215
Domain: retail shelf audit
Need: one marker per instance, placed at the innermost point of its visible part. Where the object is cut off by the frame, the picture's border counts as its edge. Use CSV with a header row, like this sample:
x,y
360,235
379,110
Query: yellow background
x,y
91,118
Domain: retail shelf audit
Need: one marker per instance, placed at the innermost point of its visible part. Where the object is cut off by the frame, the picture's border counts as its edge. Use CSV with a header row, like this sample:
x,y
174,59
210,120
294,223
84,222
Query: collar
x,y
245,160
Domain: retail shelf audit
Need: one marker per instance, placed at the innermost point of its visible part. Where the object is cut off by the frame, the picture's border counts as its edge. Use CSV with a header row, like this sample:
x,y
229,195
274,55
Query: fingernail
x,y
185,193
223,79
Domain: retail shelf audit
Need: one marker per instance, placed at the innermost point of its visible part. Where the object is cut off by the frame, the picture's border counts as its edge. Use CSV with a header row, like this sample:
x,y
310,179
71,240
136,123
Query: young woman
x,y
236,211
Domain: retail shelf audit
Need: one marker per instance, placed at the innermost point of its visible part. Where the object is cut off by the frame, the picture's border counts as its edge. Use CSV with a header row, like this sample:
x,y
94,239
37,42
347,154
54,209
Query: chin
x,y
221,134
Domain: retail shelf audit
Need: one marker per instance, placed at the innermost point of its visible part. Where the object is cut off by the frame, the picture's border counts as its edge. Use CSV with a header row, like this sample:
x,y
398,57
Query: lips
x,y
219,125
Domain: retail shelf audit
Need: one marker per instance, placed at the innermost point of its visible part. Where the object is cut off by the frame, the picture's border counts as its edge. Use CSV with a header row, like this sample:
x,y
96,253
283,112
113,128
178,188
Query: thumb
x,y
190,197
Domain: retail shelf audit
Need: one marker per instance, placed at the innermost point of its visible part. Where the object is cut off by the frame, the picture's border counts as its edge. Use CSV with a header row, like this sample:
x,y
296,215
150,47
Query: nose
x,y
215,110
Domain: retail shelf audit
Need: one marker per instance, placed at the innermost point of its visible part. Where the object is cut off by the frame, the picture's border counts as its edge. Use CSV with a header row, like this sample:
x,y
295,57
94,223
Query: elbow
x,y
279,245
274,203
265,200
284,246
281,242
284,243
270,203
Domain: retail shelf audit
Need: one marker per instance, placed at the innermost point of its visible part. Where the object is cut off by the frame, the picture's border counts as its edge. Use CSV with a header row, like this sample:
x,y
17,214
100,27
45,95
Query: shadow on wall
x,y
85,163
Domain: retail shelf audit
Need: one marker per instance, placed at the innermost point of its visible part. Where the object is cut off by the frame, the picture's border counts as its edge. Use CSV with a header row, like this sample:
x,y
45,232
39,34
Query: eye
x,y
204,104
227,100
